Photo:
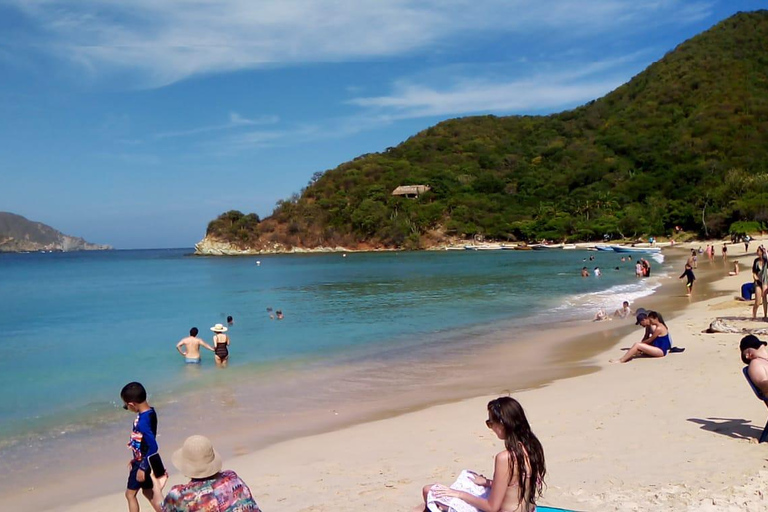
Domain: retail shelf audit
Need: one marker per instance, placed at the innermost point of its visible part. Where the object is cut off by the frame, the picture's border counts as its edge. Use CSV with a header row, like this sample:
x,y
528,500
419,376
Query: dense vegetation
x,y
684,143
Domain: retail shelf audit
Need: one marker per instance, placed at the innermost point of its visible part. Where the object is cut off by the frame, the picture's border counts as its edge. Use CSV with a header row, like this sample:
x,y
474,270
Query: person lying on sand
x,y
519,469
657,345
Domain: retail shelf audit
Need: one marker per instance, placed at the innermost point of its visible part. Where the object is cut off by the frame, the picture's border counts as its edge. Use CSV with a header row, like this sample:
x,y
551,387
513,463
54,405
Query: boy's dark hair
x,y
133,392
193,331
229,319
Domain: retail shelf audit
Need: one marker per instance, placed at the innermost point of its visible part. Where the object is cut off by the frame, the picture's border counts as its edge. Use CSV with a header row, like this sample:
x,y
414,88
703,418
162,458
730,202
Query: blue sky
x,y
135,123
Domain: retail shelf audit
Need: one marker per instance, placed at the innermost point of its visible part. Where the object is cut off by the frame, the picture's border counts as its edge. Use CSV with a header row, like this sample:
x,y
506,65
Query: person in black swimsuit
x,y
220,345
758,275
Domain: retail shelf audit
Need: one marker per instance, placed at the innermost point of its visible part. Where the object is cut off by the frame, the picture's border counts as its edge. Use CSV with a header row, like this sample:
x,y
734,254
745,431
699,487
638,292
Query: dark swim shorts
x,y
134,484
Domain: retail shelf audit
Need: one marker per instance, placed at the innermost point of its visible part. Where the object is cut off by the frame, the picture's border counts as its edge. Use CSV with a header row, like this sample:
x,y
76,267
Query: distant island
x,y
681,148
18,234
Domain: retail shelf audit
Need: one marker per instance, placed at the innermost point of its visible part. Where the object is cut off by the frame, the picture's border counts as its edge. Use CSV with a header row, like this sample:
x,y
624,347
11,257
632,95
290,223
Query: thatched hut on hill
x,y
410,191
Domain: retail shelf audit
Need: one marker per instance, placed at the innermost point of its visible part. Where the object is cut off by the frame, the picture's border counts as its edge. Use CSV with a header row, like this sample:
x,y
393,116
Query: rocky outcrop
x,y
210,246
18,234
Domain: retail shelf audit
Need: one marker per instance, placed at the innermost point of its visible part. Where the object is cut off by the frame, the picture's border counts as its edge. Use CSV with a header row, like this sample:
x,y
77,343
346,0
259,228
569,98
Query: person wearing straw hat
x,y
210,489
221,345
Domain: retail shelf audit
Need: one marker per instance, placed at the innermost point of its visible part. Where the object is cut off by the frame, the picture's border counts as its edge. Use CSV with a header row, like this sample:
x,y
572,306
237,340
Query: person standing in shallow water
x,y
221,345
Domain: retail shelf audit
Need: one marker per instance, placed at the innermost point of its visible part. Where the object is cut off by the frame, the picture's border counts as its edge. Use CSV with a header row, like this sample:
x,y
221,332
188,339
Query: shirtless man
x,y
624,311
754,354
192,345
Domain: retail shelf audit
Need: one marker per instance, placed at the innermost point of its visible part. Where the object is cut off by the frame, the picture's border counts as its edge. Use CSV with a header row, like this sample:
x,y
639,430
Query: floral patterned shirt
x,y
224,492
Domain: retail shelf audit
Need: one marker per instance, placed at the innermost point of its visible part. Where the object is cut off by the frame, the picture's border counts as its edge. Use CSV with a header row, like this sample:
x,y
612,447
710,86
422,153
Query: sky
x,y
136,123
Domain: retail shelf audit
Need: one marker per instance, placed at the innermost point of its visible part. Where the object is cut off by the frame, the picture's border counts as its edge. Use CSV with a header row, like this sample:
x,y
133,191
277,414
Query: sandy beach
x,y
676,433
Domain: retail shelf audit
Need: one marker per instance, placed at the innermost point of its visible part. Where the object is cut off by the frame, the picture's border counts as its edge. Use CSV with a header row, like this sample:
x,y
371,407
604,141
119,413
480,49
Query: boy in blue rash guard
x,y
143,443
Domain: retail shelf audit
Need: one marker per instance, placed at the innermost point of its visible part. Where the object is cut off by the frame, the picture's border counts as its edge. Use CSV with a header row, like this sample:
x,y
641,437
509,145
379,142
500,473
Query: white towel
x,y
462,483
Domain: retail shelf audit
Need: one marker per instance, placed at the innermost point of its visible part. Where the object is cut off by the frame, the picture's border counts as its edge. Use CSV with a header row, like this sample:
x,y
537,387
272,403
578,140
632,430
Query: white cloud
x,y
535,92
161,42
235,121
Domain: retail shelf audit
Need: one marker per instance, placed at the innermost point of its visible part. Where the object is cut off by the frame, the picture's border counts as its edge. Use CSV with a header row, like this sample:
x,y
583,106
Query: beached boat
x,y
569,246
604,248
625,249
543,247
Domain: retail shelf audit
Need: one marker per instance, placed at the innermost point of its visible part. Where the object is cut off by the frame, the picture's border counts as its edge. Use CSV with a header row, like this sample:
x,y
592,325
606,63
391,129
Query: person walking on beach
x,y
688,274
210,489
518,474
725,251
192,344
760,278
143,443
657,345
221,345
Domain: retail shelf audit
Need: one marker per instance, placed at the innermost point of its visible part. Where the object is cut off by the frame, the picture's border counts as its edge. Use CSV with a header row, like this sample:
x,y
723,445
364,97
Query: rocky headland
x,y
19,234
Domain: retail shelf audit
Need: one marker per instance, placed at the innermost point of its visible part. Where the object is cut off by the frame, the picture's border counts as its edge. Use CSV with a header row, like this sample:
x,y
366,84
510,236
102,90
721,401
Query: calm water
x,y
78,326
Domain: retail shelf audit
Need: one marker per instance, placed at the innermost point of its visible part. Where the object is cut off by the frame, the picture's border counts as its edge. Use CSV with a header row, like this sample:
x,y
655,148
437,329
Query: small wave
x,y
584,304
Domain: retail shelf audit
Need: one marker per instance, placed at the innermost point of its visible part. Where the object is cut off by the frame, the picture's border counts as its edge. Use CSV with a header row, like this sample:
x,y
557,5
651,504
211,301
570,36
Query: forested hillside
x,y
684,143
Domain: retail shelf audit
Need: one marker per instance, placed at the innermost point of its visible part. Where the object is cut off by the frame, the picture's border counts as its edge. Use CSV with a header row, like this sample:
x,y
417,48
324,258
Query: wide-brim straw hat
x,y
196,458
219,328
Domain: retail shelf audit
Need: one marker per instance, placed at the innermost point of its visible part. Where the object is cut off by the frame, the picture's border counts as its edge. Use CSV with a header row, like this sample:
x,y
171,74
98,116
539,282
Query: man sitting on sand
x,y
754,354
624,311
192,345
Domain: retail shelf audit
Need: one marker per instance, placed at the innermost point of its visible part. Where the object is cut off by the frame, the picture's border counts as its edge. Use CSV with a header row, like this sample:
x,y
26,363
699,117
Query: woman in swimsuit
x,y
518,474
759,271
656,346
220,345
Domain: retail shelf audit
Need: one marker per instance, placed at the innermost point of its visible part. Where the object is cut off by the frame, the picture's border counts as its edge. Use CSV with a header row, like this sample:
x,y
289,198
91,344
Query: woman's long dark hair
x,y
657,316
519,441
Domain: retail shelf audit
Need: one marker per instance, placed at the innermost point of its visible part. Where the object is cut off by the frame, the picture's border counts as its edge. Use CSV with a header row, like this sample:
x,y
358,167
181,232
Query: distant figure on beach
x,y
688,274
584,272
624,311
598,273
760,280
646,267
639,269
192,344
143,443
700,250
725,251
657,345
746,243
230,321
754,354
693,259
601,315
518,475
209,488
221,346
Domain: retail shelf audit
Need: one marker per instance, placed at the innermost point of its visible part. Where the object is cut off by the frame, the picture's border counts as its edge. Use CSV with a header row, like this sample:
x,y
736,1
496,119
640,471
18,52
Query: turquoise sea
x,y
77,326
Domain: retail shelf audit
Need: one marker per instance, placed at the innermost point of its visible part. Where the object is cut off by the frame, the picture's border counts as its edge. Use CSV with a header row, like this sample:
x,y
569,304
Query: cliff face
x,y
18,234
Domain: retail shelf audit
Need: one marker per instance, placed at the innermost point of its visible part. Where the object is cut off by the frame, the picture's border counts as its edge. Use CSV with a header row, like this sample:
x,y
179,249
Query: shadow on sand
x,y
731,427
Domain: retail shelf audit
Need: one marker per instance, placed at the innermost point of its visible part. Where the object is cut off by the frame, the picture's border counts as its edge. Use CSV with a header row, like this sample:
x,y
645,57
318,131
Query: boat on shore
x,y
629,249
544,247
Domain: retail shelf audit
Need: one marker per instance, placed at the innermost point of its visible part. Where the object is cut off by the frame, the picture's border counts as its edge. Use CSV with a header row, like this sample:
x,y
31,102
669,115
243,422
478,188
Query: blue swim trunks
x,y
192,360
133,483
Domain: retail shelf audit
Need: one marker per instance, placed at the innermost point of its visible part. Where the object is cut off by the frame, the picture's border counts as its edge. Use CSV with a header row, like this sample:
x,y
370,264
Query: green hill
x,y
684,143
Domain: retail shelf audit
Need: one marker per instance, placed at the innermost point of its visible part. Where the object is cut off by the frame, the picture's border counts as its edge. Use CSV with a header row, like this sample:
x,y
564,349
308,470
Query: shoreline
x,y
582,365
457,376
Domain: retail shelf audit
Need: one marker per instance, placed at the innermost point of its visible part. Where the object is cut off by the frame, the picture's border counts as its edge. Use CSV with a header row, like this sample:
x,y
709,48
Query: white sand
x,y
655,434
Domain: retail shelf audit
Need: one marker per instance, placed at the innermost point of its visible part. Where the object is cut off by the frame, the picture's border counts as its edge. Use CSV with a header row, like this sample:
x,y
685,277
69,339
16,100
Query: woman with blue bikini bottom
x,y
656,346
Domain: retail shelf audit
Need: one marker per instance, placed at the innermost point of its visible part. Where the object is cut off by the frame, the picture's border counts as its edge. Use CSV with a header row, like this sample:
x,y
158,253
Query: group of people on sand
x,y
517,482
189,347
210,488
